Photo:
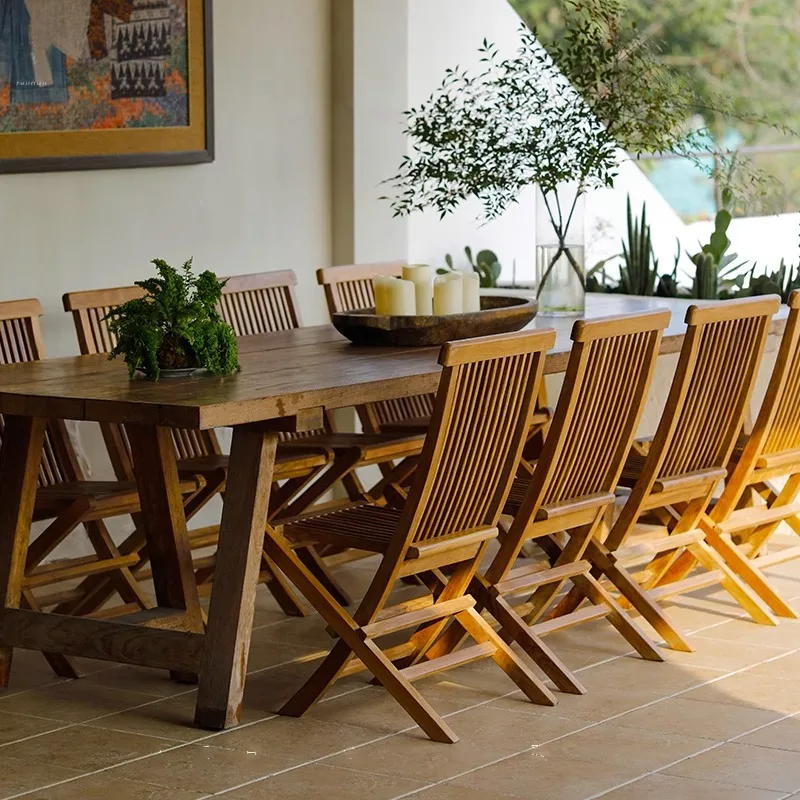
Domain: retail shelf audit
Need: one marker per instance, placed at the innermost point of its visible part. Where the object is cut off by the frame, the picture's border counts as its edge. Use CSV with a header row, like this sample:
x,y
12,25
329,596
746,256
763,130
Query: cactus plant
x,y
485,264
711,276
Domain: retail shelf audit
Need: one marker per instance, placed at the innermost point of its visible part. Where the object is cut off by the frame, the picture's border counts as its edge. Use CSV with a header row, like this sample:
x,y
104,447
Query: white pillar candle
x,y
448,295
401,298
381,290
471,284
422,276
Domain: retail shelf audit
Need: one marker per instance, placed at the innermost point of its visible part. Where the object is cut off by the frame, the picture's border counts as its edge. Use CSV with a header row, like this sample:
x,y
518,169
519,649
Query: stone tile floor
x,y
722,722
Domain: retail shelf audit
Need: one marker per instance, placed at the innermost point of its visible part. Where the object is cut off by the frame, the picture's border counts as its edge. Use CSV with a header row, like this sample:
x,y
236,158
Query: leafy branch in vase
x,y
548,117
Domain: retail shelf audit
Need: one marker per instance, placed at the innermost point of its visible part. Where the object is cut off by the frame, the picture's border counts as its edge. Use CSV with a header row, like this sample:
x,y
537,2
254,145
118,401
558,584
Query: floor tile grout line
x,y
274,716
449,715
715,746
413,727
599,722
67,725
180,746
154,701
177,746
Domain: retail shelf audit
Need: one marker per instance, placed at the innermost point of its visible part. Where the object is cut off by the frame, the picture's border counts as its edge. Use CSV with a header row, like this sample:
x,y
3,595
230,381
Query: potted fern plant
x,y
175,329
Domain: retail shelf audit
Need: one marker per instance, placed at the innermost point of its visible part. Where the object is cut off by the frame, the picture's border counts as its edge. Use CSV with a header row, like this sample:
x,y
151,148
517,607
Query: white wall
x,y
380,95
263,204
448,33
762,241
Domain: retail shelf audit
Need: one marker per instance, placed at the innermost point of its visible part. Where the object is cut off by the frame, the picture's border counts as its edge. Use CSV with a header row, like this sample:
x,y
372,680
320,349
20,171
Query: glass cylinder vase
x,y
560,252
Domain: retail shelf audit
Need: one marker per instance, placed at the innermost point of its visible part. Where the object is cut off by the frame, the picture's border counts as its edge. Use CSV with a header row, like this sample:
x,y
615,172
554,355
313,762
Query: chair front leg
x,y
353,643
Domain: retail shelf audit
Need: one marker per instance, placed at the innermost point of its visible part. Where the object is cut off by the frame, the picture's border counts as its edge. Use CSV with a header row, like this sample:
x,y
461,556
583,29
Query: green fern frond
x,y
177,324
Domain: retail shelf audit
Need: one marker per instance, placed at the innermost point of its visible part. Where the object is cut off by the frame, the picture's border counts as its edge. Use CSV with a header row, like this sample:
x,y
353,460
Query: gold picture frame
x,y
110,144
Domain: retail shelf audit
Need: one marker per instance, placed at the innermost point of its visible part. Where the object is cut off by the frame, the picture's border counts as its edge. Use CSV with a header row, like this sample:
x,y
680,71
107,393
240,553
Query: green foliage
x,y
492,134
750,56
784,281
597,280
668,283
668,286
737,68
639,273
175,325
714,266
485,264
553,118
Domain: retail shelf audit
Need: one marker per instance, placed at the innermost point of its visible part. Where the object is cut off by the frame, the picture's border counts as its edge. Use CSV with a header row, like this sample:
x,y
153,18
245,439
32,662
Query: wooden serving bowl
x,y
498,314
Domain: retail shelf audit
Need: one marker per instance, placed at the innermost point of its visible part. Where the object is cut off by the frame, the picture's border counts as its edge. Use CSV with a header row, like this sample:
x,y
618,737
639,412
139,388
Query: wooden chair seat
x,y
407,427
632,469
290,461
100,496
373,448
419,425
361,526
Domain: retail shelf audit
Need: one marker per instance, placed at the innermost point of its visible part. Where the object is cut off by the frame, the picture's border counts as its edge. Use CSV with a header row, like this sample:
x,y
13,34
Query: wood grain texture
x,y
281,373
480,420
241,540
106,641
19,471
677,477
497,315
164,521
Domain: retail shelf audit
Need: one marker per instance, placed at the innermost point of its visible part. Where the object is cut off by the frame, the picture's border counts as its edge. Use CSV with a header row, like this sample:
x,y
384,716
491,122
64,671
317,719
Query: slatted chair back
x,y
480,421
89,312
262,303
572,488
21,341
777,429
479,425
686,461
599,407
352,287
711,390
265,302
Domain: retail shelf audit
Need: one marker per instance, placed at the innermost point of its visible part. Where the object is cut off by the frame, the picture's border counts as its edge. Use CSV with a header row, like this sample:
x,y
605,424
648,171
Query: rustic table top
x,y
282,373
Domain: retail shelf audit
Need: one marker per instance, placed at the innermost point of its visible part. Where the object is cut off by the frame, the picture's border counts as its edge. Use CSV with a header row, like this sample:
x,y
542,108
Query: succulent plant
x,y
713,264
639,272
485,264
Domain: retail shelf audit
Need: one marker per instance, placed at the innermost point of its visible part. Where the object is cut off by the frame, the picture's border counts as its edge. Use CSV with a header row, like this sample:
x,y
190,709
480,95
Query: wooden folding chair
x,y
677,477
198,452
264,303
741,522
570,492
478,428
68,501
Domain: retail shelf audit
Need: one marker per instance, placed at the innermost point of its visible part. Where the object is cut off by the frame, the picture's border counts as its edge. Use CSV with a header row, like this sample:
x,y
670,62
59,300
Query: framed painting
x,y
104,84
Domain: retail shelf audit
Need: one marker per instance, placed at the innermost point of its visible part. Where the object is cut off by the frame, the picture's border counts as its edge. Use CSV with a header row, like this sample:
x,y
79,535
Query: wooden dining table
x,y
286,381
